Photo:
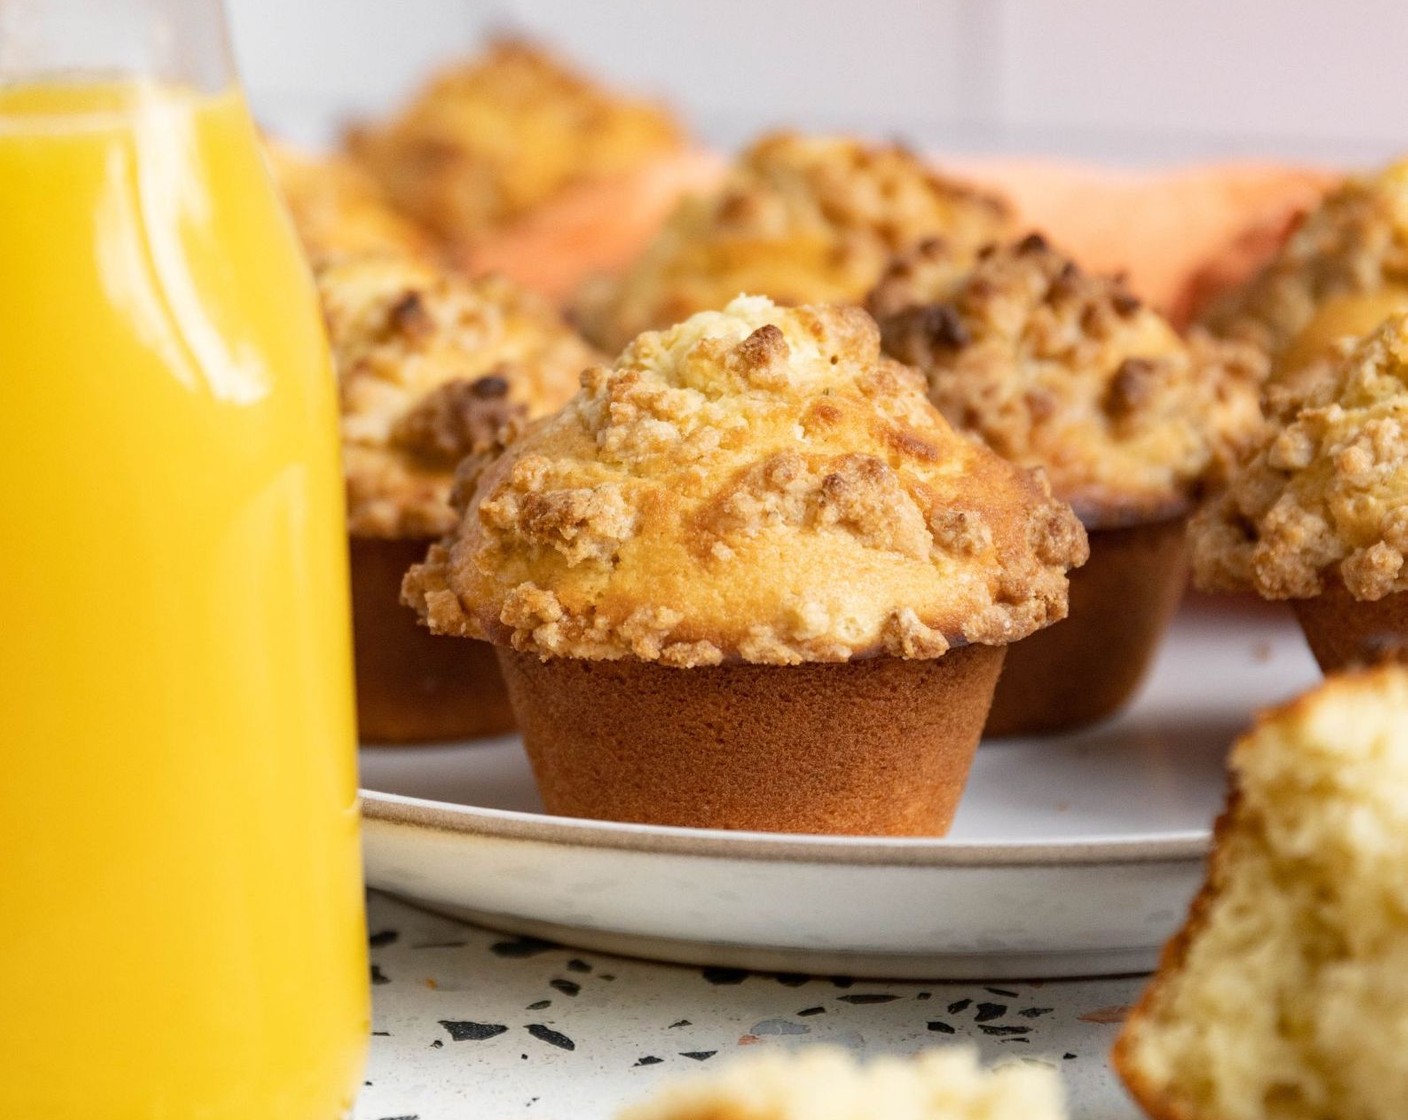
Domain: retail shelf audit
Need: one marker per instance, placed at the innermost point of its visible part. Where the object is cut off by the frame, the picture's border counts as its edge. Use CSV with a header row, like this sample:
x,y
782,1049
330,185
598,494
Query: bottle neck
x,y
181,42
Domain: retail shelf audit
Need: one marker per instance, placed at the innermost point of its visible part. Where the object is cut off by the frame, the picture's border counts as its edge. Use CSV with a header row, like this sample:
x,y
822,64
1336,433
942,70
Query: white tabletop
x,y
475,1025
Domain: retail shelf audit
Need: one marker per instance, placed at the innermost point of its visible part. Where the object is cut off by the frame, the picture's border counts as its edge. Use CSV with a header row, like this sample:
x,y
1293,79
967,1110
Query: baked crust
x,y
337,209
430,368
801,219
1326,492
1056,368
487,140
757,484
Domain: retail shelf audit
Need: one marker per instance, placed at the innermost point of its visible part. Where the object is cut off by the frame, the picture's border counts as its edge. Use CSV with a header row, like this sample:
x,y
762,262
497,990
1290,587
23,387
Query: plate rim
x,y
424,814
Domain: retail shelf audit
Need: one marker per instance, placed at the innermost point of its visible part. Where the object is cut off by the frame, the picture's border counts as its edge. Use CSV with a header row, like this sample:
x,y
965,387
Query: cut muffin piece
x,y
1286,994
486,141
1319,514
430,367
801,219
753,513
1055,368
826,1083
337,210
1340,274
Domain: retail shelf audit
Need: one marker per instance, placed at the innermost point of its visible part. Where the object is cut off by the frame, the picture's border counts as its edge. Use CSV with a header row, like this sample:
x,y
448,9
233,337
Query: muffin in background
x,y
337,210
1054,368
1339,275
486,141
1286,993
1319,513
800,219
431,367
826,1082
750,578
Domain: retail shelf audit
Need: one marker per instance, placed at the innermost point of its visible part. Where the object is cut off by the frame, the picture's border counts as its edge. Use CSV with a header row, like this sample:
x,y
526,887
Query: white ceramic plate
x,y
1070,856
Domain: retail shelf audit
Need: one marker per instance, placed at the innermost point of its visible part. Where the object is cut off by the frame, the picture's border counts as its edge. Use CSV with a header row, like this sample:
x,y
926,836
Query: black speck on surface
x,y
999,1030
437,1043
379,977
791,979
1035,1012
551,1037
869,997
607,977
842,981
811,1011
542,1003
925,995
940,1027
699,1055
463,1030
381,1034
1002,992
382,937
1068,1057
724,975
987,1012
576,964
1023,1041
400,1118
679,1023
440,945
566,987
959,1005
521,947
649,1060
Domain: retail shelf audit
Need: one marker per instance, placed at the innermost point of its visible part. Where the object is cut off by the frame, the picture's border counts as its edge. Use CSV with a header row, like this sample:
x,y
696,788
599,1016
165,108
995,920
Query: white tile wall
x,y
1128,80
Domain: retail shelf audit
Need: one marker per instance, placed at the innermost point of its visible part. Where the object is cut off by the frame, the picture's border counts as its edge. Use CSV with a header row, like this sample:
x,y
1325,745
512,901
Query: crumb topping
x,y
489,139
337,210
431,368
757,484
1352,248
800,219
1326,493
1056,368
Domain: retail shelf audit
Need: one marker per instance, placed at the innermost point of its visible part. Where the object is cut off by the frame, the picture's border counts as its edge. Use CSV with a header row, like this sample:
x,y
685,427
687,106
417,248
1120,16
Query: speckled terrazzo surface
x,y
475,1025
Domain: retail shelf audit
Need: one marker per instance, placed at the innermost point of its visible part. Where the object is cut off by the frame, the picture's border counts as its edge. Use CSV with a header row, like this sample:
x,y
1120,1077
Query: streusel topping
x,y
1326,495
801,219
431,367
489,139
1056,368
757,484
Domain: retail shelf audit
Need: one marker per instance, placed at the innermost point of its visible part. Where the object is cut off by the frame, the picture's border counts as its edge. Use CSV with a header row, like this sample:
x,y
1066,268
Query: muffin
x,y
337,210
1055,368
1319,514
1340,274
750,578
1286,993
825,1082
430,368
801,219
488,141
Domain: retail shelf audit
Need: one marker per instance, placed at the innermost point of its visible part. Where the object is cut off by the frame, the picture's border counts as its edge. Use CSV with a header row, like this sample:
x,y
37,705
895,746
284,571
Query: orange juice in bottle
x,y
179,865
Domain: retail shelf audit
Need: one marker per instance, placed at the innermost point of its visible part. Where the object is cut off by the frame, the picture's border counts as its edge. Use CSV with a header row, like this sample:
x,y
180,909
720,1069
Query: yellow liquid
x,y
181,926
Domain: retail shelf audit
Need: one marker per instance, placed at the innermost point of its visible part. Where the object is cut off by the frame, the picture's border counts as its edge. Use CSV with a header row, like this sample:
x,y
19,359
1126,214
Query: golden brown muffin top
x,y
801,219
1341,272
490,138
337,209
757,484
431,366
1056,368
1326,493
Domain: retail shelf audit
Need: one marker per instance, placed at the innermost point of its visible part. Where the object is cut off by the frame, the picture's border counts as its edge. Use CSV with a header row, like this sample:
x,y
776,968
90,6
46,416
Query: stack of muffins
x,y
862,433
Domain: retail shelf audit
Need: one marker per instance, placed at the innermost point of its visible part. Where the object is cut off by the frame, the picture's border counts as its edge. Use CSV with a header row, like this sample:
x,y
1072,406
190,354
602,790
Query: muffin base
x,y
1087,666
1343,631
876,747
414,686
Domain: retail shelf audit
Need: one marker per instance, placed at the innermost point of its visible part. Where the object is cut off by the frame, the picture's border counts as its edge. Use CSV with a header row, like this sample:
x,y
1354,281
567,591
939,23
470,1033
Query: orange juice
x,y
181,928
